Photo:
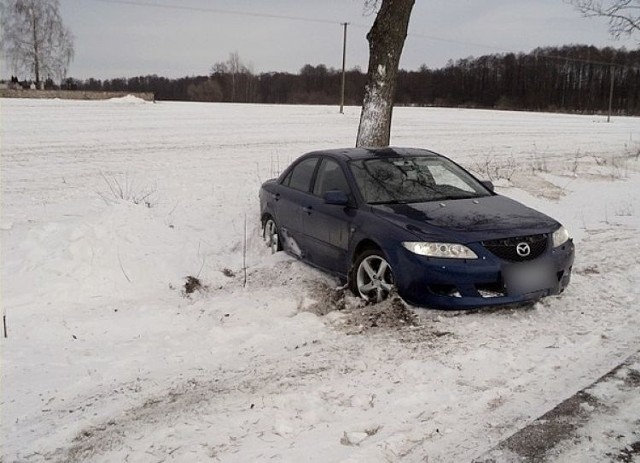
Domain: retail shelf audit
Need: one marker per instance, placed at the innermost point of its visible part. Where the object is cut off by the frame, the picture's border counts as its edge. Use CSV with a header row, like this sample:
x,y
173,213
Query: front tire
x,y
372,278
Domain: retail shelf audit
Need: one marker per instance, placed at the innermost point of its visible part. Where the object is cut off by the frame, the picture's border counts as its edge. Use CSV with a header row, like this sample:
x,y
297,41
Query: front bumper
x,y
466,284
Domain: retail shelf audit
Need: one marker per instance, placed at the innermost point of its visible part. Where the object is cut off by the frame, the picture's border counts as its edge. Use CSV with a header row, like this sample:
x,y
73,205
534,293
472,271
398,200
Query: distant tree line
x,y
571,78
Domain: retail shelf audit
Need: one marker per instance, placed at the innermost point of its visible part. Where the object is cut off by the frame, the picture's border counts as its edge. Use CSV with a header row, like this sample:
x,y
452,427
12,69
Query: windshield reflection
x,y
416,179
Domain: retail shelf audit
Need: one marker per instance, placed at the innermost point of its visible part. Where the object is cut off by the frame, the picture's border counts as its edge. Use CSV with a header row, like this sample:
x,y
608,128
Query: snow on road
x,y
107,358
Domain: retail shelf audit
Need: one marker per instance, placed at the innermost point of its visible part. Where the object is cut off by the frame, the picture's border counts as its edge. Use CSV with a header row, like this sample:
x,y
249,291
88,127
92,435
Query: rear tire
x,y
271,235
371,276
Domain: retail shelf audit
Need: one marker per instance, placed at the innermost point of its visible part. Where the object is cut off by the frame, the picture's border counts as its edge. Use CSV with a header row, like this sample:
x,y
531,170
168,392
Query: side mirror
x,y
336,198
488,184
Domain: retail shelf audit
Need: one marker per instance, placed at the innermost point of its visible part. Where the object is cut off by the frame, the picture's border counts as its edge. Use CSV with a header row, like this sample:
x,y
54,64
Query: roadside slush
x,y
600,423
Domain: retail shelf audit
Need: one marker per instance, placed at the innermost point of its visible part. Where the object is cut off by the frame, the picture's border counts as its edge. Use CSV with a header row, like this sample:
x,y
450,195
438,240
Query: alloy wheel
x,y
374,279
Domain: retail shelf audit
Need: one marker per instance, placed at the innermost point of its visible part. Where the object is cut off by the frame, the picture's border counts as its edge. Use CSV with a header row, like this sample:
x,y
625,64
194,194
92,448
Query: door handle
x,y
276,197
307,209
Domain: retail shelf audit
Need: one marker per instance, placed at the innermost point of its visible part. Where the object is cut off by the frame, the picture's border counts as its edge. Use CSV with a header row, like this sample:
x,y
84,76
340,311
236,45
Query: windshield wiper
x,y
467,196
391,201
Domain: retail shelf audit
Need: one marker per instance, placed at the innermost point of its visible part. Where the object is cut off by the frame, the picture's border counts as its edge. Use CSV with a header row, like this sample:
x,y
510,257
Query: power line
x,y
494,48
540,56
168,6
506,50
588,61
458,42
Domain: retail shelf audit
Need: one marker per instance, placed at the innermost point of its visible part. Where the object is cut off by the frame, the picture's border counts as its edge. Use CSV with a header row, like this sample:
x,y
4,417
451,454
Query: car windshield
x,y
413,180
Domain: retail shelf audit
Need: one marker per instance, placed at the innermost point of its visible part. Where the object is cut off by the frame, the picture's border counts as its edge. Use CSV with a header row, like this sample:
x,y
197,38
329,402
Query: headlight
x,y
560,236
444,250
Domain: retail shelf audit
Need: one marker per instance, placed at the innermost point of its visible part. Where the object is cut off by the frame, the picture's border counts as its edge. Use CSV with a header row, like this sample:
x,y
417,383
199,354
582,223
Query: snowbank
x,y
128,99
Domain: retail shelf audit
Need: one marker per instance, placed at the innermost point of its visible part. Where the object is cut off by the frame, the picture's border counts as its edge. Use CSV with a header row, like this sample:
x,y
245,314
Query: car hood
x,y
482,218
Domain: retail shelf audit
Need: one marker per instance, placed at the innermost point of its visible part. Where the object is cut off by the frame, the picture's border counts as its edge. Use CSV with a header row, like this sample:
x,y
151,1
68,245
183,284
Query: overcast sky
x,y
114,39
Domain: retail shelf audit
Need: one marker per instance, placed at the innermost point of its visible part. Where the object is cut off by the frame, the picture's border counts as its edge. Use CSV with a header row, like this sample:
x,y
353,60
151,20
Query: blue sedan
x,y
414,221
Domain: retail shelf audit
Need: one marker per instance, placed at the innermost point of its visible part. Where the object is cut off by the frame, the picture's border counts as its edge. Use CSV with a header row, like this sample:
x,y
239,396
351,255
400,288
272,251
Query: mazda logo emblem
x,y
523,249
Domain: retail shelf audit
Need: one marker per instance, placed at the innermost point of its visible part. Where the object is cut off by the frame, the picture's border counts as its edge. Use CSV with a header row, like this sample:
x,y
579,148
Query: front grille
x,y
507,248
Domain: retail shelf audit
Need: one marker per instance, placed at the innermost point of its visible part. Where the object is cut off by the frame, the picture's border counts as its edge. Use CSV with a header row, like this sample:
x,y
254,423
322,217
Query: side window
x,y
330,177
300,177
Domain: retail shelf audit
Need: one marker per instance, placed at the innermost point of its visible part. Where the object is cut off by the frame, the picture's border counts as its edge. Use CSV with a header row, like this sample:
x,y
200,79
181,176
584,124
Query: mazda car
x,y
414,222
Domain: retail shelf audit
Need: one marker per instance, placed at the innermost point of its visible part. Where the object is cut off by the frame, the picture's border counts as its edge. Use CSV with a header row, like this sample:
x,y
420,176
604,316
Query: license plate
x,y
529,277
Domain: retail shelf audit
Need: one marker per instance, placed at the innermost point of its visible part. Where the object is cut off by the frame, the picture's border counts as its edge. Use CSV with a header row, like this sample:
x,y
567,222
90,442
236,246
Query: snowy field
x,y
108,359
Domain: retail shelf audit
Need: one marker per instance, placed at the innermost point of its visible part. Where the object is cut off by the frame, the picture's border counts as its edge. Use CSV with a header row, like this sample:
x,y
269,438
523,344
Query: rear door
x,y
326,226
291,199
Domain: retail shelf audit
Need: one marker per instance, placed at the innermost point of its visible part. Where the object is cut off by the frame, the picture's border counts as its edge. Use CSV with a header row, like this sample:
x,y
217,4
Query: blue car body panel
x,y
330,237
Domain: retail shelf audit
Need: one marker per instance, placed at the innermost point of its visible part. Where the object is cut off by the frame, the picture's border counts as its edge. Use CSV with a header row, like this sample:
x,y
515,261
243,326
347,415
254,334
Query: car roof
x,y
349,154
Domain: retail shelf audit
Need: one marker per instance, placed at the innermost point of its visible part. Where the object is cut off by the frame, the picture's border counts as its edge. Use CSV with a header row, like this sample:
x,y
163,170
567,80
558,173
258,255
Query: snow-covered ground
x,y
107,359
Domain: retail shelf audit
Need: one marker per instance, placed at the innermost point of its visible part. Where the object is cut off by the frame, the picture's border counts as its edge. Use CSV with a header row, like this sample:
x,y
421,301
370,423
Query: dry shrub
x,y
126,189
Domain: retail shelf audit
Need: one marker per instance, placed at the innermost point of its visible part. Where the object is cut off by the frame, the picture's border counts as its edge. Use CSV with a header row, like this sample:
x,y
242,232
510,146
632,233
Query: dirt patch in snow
x,y
350,314
628,454
192,284
356,316
392,313
324,298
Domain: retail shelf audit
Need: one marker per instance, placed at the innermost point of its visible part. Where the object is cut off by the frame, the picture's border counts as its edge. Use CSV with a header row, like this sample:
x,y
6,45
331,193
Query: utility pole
x,y
610,94
344,62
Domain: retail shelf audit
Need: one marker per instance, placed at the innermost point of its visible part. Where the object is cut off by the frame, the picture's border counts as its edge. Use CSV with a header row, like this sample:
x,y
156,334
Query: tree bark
x,y
386,40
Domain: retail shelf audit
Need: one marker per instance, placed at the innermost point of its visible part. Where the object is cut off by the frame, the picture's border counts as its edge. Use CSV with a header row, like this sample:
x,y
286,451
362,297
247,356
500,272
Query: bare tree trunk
x,y
36,51
235,65
386,40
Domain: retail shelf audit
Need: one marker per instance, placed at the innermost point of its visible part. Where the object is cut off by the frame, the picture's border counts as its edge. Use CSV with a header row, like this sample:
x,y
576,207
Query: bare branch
x,y
34,38
370,7
623,15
